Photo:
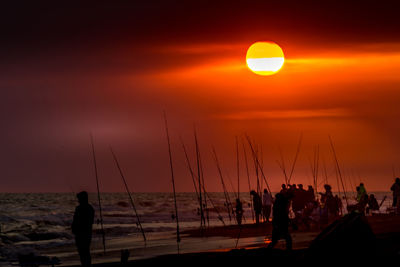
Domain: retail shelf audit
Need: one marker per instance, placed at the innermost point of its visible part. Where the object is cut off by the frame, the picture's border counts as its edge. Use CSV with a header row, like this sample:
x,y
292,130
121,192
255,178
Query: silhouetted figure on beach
x,y
82,228
372,203
298,204
257,205
310,194
396,192
284,189
339,204
329,204
361,192
239,211
300,198
292,190
362,201
266,204
280,222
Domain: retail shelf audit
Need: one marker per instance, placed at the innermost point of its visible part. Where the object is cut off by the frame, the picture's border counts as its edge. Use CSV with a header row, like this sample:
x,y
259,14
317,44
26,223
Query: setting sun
x,y
265,58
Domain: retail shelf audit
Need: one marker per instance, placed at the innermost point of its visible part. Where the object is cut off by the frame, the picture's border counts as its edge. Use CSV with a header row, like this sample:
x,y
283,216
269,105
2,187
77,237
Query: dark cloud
x,y
42,25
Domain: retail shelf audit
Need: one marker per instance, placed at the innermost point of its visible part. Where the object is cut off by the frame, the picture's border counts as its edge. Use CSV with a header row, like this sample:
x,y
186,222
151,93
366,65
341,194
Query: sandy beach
x,y
218,246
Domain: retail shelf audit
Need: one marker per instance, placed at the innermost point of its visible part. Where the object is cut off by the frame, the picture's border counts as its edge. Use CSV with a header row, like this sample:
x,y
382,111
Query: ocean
x,y
40,223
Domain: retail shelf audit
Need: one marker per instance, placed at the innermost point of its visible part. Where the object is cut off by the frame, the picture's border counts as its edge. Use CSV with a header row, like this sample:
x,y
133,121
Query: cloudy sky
x,y
110,69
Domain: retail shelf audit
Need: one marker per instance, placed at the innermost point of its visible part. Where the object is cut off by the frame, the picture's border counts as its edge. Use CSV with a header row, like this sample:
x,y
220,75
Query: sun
x,y
265,58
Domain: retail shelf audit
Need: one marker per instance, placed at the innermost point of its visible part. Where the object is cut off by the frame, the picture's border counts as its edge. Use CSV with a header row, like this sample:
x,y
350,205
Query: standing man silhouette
x,y
82,228
280,222
257,205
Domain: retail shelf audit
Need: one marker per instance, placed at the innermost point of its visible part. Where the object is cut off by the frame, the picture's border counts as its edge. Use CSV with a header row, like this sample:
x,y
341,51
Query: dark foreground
x,y
352,239
387,251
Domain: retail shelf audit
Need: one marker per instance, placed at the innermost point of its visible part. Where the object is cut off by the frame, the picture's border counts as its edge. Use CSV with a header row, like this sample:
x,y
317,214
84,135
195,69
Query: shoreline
x,y
218,243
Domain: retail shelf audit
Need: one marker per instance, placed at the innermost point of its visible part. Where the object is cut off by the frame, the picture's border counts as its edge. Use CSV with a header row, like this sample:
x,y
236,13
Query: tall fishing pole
x,y
262,166
258,163
283,166
228,203
325,172
353,185
202,218
248,179
237,167
129,194
316,166
204,192
338,169
255,155
98,194
178,238
238,192
296,156
215,207
189,166
256,170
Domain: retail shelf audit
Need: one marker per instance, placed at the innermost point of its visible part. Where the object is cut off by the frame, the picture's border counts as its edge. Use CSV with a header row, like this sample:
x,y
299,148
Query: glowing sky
x,y
111,69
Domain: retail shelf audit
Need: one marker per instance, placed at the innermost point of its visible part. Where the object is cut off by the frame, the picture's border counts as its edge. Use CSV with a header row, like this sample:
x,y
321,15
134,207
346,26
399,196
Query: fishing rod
x,y
238,194
325,172
262,166
189,166
233,190
202,218
193,175
338,169
352,182
178,238
129,194
283,167
338,184
383,200
227,199
204,191
257,170
237,167
295,157
234,194
315,167
215,207
258,163
98,194
248,179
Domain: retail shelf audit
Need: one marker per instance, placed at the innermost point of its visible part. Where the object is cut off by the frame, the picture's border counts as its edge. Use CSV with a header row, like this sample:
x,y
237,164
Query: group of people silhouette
x,y
308,210
306,207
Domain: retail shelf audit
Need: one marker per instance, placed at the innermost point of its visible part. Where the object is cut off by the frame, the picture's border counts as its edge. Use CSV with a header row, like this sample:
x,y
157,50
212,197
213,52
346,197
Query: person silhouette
x,y
239,211
280,222
82,227
396,191
257,205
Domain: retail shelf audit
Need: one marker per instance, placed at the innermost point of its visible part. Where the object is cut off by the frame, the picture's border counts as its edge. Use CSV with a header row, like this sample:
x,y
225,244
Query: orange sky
x,y
348,93
115,68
